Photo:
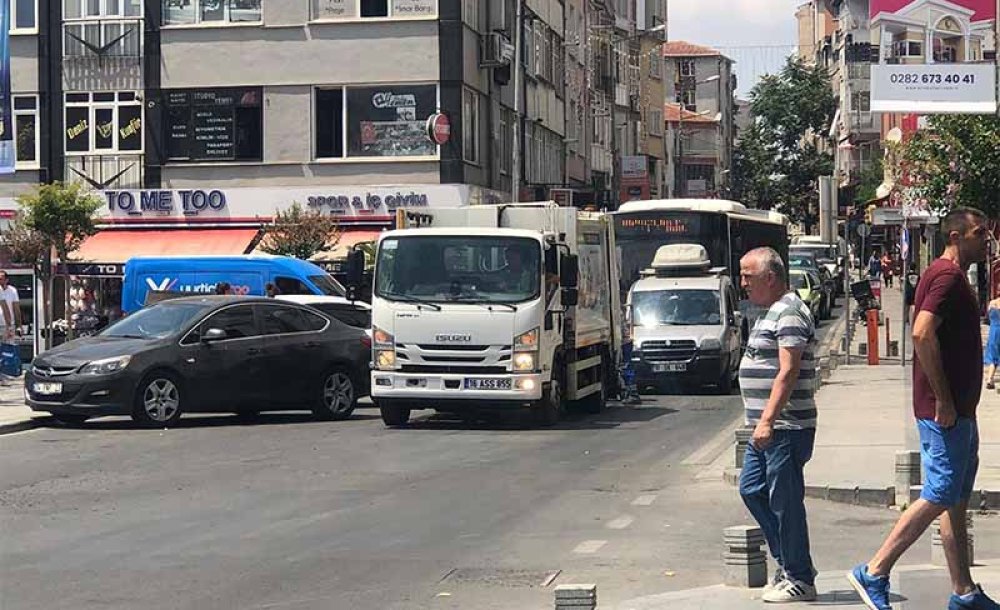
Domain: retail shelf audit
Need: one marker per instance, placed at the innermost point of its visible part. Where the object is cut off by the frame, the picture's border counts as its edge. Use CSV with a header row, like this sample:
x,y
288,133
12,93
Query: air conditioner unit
x,y
496,51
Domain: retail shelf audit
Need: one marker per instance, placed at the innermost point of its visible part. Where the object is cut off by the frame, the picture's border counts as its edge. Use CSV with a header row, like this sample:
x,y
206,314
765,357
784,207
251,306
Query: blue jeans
x,y
774,489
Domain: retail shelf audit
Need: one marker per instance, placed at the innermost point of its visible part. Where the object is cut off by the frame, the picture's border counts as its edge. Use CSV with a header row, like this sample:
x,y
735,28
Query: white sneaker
x,y
790,591
776,579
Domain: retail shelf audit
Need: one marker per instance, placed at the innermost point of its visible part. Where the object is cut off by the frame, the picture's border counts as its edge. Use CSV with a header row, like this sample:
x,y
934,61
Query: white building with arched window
x,y
935,31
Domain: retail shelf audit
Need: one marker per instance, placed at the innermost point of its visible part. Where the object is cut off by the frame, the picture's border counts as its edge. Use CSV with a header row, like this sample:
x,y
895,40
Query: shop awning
x,y
117,246
348,239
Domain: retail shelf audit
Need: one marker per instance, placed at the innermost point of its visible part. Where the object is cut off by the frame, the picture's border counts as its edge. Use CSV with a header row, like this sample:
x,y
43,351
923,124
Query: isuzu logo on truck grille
x,y
453,338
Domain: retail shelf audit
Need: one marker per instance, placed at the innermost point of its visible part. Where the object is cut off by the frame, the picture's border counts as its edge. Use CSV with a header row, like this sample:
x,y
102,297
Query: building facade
x,y
700,86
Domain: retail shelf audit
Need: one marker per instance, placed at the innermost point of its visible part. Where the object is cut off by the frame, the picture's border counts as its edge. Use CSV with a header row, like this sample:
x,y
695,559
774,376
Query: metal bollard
x,y
576,597
907,475
937,549
743,436
862,349
746,564
894,349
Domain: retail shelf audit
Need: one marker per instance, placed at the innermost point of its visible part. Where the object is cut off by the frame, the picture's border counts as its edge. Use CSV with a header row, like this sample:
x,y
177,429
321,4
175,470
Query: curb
x,y
22,425
876,497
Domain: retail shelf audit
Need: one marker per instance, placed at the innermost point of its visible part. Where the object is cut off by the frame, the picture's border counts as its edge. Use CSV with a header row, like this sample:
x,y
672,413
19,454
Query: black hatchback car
x,y
205,354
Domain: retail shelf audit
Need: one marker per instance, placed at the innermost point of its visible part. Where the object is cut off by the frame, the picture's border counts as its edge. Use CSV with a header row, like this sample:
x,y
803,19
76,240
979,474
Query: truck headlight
x,y
106,366
524,361
382,339
385,359
711,344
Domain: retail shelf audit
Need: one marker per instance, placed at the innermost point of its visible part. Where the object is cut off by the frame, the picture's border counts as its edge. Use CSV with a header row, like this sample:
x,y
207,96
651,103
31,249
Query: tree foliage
x,y
300,233
25,245
777,163
954,163
63,215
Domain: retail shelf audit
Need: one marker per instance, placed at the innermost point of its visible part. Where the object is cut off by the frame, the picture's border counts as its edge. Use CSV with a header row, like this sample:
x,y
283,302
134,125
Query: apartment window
x,y
26,130
908,48
103,122
329,123
689,100
383,121
686,67
861,101
655,65
100,9
470,125
187,12
24,15
655,120
206,125
103,38
378,9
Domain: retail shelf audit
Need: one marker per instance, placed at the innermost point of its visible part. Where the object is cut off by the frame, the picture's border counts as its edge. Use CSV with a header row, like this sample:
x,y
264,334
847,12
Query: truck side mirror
x,y
570,297
355,268
569,272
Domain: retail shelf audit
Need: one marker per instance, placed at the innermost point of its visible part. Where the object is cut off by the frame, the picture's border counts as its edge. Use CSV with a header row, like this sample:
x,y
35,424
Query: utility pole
x,y
515,170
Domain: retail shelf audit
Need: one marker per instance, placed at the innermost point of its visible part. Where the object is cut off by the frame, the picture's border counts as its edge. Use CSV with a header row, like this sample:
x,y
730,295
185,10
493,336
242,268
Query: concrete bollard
x,y
937,550
576,597
746,564
743,437
907,474
824,369
834,359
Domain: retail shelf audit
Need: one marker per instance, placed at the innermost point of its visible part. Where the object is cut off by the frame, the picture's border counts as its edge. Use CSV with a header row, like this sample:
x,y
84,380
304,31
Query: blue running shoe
x,y
979,601
874,591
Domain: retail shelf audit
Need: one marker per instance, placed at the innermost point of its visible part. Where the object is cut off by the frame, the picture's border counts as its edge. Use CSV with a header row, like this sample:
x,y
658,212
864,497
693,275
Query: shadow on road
x,y
211,421
612,417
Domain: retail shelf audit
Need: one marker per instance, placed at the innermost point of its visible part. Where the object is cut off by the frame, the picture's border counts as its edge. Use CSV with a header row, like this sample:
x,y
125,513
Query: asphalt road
x,y
294,514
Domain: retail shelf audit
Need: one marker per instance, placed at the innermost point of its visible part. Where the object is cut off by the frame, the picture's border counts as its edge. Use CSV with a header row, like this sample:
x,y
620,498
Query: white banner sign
x,y
335,9
414,8
934,88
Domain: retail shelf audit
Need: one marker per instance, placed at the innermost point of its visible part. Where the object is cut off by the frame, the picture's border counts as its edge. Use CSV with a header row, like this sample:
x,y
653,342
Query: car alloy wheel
x,y
338,397
161,400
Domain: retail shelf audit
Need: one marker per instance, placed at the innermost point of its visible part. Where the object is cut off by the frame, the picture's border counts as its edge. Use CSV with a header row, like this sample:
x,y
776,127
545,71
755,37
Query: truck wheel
x,y
393,414
725,385
549,409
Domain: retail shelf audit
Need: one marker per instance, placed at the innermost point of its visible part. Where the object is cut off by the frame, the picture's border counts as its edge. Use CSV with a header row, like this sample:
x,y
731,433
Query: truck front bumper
x,y
436,389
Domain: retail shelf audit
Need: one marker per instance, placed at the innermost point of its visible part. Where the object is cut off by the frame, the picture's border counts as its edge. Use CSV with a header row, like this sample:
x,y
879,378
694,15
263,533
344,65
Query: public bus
x,y
727,229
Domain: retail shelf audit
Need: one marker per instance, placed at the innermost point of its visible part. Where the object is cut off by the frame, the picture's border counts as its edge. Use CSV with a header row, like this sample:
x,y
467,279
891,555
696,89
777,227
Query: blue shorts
x,y
950,460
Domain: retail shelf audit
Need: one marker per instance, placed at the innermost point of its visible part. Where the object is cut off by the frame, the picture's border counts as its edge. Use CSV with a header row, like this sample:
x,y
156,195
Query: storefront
x,y
190,222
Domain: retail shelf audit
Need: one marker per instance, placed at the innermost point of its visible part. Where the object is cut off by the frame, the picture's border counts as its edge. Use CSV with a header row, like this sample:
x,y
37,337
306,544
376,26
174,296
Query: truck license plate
x,y
672,367
487,384
48,388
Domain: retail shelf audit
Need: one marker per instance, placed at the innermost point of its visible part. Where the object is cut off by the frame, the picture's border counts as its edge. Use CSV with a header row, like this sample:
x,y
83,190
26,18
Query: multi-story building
x,y
652,25
700,86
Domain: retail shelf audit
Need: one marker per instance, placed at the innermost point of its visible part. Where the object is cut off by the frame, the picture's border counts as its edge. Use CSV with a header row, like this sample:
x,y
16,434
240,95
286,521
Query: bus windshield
x,y
469,269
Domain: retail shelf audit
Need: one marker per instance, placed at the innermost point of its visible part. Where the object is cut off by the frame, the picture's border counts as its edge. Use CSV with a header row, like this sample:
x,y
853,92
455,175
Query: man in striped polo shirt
x,y
777,380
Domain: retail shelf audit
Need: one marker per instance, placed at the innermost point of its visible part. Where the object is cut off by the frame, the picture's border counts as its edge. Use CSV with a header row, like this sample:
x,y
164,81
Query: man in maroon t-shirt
x,y
947,378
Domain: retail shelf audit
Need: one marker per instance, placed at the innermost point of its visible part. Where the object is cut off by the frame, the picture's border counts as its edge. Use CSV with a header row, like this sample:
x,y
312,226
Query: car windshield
x,y
798,281
676,308
156,322
473,269
328,285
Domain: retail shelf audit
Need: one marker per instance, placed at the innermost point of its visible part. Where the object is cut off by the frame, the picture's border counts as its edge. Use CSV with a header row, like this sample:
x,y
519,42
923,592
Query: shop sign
x,y
439,129
165,202
93,269
634,167
414,8
934,89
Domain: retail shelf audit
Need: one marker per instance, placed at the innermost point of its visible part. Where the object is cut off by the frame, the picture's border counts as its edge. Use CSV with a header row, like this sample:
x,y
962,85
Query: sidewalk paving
x,y
15,416
922,587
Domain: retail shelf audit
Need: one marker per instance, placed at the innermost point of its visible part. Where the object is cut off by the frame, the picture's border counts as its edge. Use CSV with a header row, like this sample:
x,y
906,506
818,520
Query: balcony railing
x,y
102,172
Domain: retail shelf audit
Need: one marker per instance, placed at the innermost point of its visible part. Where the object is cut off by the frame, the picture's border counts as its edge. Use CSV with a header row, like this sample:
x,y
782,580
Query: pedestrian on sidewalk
x,y
777,380
991,355
874,266
887,269
947,373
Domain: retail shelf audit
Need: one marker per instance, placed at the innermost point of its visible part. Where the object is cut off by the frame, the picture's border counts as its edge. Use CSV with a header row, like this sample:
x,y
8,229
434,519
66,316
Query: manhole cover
x,y
494,577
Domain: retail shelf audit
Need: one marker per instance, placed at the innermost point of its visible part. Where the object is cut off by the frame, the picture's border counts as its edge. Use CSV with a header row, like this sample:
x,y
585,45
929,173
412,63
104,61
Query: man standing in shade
x,y
777,380
947,381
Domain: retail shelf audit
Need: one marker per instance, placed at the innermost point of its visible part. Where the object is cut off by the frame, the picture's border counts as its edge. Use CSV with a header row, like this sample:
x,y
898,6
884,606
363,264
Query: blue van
x,y
247,275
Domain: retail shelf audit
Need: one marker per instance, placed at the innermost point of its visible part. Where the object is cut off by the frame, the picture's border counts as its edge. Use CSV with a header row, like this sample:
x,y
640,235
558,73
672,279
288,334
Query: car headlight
x,y
711,343
524,361
385,359
106,366
527,341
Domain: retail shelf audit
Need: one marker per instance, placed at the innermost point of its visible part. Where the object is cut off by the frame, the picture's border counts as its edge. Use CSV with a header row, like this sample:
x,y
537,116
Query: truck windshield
x,y
676,308
459,269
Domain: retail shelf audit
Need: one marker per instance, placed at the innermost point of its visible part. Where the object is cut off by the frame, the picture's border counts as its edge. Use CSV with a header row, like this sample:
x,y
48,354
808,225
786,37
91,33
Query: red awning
x,y
117,246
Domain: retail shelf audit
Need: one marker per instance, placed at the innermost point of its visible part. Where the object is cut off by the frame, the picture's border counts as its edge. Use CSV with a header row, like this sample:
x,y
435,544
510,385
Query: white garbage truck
x,y
496,307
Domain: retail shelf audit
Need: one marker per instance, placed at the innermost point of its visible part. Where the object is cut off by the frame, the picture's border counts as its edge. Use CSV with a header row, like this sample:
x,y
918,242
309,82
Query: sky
x,y
758,34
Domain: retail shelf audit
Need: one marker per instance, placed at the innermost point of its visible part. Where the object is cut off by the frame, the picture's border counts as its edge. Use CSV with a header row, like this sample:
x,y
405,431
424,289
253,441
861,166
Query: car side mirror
x,y
570,297
213,334
355,269
569,272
